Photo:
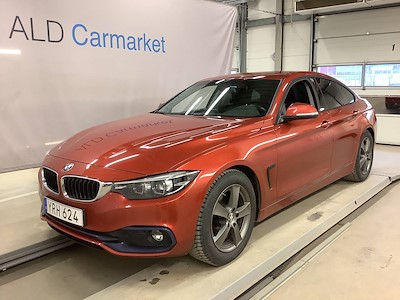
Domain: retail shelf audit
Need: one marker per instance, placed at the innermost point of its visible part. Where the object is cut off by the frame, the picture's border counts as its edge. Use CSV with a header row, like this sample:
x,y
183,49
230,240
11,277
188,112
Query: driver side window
x,y
298,92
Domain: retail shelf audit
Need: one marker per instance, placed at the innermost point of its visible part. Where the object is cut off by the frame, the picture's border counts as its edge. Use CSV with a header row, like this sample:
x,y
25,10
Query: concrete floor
x,y
19,210
72,273
364,261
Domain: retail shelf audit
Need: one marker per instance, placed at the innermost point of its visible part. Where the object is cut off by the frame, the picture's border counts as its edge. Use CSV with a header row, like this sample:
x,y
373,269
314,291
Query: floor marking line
x,y
16,197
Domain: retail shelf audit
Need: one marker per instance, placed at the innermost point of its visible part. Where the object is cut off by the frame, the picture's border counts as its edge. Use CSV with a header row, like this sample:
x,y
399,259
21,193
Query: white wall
x,y
377,91
296,42
261,40
260,48
388,129
258,9
296,46
288,7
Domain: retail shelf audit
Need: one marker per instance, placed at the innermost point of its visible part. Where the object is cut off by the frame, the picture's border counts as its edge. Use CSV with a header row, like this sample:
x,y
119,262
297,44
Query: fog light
x,y
157,235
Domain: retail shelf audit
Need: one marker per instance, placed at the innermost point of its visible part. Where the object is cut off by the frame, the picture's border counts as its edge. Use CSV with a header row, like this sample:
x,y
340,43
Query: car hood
x,y
151,143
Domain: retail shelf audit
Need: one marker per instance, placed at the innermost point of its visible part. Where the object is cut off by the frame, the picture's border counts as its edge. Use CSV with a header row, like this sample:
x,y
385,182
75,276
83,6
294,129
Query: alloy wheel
x,y
231,217
365,158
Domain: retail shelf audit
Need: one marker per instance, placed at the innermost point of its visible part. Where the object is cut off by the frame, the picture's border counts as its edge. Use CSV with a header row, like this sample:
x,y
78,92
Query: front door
x,y
304,147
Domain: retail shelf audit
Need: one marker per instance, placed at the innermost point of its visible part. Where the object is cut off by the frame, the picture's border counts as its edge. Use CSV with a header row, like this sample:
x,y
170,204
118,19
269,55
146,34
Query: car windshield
x,y
226,98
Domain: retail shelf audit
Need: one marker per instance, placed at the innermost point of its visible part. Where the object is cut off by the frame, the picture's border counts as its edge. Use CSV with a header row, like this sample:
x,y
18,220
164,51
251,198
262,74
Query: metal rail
x,y
34,251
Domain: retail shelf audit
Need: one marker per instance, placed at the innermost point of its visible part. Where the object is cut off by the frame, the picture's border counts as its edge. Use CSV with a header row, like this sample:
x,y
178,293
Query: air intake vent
x,y
50,180
79,188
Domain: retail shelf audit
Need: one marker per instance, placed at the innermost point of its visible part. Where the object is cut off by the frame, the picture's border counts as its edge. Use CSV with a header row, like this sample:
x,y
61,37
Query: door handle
x,y
355,112
326,124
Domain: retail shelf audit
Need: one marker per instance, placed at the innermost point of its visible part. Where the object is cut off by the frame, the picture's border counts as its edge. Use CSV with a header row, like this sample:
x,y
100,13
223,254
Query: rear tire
x,y
226,219
364,159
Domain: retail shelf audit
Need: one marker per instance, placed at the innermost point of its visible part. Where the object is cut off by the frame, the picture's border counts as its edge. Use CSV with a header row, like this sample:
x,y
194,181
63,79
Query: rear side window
x,y
332,95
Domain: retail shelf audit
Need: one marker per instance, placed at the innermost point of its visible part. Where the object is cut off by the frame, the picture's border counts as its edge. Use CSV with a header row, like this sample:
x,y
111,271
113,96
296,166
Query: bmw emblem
x,y
68,167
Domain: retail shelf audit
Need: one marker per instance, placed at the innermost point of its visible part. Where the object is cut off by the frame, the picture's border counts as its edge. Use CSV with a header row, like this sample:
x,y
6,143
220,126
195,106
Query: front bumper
x,y
125,227
126,241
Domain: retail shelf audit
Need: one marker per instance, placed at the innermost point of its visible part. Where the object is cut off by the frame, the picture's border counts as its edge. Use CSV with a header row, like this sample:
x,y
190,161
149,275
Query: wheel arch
x,y
372,132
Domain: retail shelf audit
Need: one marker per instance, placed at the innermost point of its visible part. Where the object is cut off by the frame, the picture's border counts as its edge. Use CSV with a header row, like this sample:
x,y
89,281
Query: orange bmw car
x,y
193,176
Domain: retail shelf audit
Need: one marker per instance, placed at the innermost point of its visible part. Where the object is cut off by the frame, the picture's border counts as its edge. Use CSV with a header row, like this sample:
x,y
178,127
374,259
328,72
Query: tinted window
x,y
299,92
332,94
227,97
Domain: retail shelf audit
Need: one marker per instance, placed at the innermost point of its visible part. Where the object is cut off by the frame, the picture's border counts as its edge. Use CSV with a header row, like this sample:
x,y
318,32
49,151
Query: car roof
x,y
267,75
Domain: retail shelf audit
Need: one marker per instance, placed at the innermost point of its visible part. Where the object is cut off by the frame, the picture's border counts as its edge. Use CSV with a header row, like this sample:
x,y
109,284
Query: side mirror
x,y
300,111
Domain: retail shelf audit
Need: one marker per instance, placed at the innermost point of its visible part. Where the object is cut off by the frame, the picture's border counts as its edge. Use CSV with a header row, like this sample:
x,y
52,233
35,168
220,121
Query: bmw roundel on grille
x,y
68,167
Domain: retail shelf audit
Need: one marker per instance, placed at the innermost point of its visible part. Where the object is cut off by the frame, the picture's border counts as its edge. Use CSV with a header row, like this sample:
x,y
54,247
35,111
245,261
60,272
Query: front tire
x,y
364,159
226,219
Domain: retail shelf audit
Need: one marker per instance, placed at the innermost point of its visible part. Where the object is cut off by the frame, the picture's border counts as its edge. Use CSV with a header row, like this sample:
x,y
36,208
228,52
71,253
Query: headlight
x,y
155,186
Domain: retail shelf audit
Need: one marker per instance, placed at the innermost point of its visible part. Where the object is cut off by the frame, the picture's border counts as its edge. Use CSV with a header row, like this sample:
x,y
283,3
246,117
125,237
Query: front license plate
x,y
64,212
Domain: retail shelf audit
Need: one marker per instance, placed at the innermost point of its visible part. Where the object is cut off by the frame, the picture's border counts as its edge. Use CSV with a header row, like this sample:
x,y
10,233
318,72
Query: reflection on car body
x,y
197,173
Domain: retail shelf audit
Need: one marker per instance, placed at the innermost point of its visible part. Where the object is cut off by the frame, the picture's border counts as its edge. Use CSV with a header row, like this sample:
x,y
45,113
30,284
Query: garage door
x,y
358,37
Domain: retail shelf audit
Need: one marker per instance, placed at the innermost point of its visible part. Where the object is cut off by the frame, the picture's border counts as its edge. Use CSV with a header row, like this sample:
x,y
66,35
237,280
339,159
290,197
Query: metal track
x,y
31,252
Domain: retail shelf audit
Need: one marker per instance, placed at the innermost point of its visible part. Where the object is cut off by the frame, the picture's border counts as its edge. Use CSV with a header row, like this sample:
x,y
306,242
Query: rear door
x,y
343,109
304,147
